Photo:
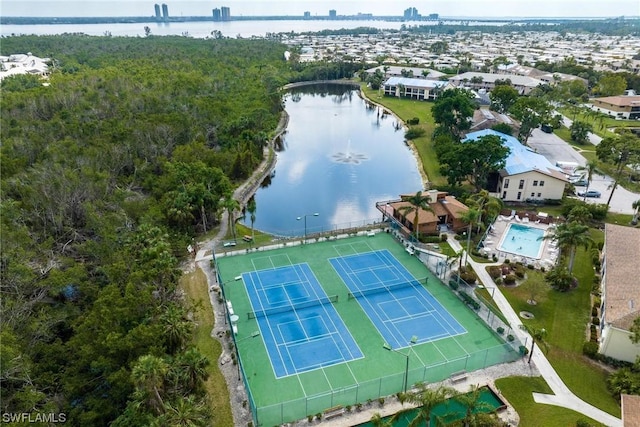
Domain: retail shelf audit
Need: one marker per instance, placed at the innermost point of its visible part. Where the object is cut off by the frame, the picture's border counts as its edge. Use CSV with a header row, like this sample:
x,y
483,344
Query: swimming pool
x,y
522,240
451,410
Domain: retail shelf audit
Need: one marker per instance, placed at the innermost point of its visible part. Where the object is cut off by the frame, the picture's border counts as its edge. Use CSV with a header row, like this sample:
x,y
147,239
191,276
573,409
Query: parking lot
x,y
555,149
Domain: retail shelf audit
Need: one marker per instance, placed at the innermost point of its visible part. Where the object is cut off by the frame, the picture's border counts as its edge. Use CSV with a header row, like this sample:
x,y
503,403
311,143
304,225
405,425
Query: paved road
x,y
555,149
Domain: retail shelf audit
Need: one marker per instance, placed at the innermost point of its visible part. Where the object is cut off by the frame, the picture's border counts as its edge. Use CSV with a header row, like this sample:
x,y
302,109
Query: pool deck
x,y
548,255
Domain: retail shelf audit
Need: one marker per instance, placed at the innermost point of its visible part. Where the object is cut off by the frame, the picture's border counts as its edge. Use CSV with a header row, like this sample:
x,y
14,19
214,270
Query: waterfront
x,y
196,29
340,156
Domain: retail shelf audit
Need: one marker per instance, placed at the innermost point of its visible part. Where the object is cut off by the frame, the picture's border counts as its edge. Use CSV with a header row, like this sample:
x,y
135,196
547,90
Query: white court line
x,y
329,315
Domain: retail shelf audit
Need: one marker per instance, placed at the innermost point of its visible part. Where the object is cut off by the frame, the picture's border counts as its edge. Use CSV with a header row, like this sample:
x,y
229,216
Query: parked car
x,y
580,182
590,193
546,128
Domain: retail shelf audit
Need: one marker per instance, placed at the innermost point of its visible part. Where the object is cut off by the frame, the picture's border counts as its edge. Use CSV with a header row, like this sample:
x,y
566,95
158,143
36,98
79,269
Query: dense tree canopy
x,y
453,110
107,174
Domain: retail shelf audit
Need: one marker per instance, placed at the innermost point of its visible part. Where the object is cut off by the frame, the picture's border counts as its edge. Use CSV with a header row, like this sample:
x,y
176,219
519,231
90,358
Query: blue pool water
x,y
522,240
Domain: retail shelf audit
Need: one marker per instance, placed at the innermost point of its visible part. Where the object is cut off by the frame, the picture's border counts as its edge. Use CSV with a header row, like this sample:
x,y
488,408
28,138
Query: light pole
x,y
387,347
238,341
305,223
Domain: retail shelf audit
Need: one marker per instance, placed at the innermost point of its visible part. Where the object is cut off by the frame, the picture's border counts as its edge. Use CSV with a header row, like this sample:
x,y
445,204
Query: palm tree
x,y
570,235
186,411
537,336
148,376
251,208
417,203
475,409
176,327
487,205
425,399
590,168
470,217
193,369
636,207
231,205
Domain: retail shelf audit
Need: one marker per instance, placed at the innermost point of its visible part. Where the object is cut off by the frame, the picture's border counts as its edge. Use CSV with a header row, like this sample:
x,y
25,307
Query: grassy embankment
x,y
196,289
407,109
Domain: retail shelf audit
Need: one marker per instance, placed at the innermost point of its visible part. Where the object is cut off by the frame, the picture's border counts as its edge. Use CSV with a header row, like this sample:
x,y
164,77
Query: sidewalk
x,y
562,395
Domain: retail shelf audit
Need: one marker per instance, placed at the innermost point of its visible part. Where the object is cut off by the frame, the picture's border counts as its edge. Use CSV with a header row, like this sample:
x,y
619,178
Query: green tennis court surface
x,y
277,399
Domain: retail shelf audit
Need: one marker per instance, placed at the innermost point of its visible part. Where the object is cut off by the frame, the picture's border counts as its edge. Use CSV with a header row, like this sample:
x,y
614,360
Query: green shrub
x,y
453,284
443,237
594,311
413,133
494,271
500,330
590,349
507,261
510,338
583,423
413,121
509,279
595,321
469,277
523,350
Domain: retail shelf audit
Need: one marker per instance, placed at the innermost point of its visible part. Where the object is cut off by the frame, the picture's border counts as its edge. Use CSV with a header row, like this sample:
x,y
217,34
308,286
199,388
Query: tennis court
x,y
311,335
300,327
400,307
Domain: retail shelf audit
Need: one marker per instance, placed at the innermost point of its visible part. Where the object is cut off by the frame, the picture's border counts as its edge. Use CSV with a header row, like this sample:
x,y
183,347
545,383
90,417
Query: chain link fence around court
x,y
381,387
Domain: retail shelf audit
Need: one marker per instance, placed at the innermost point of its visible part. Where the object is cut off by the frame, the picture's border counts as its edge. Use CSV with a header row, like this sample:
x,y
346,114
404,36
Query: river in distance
x,y
339,156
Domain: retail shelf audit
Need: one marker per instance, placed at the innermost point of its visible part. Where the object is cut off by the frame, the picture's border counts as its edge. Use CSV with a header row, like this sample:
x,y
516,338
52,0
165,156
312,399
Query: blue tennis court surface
x,y
302,331
400,307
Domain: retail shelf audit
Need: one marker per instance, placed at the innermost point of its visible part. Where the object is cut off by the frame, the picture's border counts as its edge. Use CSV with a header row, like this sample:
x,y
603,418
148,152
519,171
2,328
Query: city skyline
x,y
462,8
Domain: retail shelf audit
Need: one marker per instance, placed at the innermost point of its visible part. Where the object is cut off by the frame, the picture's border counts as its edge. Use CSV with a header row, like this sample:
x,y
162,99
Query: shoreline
x,y
412,147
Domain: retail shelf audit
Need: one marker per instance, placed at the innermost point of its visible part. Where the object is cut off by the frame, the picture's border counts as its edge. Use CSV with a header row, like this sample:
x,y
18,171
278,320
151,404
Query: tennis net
x,y
386,288
283,309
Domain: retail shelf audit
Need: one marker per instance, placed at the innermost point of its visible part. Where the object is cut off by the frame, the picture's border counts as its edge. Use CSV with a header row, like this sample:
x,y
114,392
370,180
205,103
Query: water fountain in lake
x,y
348,156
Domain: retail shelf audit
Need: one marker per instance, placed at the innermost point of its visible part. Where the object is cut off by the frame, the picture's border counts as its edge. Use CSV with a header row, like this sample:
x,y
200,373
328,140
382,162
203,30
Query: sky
x,y
446,8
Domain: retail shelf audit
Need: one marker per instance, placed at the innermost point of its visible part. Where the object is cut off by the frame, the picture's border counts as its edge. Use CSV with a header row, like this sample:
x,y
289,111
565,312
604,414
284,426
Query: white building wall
x,y
615,343
553,188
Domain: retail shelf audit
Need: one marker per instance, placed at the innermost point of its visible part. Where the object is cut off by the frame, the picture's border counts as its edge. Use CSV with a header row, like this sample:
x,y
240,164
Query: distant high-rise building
x,y
307,15
411,14
217,16
226,13
165,12
332,13
157,9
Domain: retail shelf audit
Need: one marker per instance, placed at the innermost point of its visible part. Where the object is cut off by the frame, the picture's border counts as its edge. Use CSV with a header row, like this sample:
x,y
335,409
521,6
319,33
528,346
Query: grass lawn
x,y
565,316
407,109
195,287
600,122
518,391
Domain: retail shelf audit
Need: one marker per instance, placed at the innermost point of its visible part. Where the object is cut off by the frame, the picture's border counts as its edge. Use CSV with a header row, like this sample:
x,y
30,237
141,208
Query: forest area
x,y
108,172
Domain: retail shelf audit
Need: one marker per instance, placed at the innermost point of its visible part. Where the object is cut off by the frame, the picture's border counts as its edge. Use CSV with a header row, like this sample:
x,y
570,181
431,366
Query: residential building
x,y
333,14
526,176
420,89
156,8
620,291
487,81
410,72
217,15
447,213
23,64
623,107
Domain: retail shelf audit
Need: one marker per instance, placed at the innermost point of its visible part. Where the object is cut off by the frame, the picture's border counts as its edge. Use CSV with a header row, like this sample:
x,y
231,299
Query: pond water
x,y
339,156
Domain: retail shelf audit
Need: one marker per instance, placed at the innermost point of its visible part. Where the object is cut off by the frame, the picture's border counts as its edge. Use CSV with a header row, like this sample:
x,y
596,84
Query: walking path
x,y
562,395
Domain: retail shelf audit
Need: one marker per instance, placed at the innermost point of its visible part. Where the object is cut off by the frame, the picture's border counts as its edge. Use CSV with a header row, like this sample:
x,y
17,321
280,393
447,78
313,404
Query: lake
x,y
339,156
